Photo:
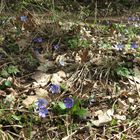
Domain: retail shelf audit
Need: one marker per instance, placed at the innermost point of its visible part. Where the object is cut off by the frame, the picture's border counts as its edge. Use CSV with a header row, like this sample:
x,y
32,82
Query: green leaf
x,y
4,73
17,118
114,122
123,137
1,112
63,86
122,71
8,83
81,112
12,69
62,105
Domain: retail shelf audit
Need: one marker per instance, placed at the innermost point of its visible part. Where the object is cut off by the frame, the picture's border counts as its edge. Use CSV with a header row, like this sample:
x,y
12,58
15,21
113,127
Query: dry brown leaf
x,y
40,92
103,117
41,78
46,66
29,100
84,55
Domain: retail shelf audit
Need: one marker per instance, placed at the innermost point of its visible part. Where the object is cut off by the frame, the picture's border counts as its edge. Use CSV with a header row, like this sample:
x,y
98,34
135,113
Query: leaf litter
x,y
94,69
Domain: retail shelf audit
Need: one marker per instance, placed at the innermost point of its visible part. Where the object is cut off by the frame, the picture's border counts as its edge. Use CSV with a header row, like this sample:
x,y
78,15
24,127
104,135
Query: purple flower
x,y
43,112
69,102
56,47
134,45
38,40
41,103
23,18
41,107
54,89
129,18
119,47
132,18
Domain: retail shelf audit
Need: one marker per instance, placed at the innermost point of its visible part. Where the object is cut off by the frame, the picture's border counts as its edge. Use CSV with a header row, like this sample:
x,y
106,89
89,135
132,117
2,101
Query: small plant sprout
x,y
69,102
41,105
23,18
54,89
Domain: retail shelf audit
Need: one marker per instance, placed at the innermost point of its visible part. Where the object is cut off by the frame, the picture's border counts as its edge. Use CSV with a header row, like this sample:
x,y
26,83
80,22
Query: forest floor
x,y
65,79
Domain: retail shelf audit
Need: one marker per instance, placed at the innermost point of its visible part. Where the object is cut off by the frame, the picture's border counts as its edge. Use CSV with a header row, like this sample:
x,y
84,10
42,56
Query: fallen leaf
x,y
47,66
62,74
122,104
29,100
103,117
41,78
22,43
40,92
84,55
120,117
56,79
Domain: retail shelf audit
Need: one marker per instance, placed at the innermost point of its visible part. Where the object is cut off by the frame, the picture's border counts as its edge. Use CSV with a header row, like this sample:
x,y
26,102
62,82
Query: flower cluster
x,y
119,47
41,105
133,45
134,19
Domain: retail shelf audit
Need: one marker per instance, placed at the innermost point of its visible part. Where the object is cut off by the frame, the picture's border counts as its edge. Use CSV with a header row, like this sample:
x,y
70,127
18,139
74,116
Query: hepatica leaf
x,y
8,83
62,105
4,73
12,69
54,88
82,112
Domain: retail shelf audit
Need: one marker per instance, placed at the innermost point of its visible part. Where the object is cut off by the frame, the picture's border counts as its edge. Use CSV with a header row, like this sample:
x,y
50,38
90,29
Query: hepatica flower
x,y
38,40
54,88
69,102
43,112
56,47
24,18
133,19
119,47
134,45
41,105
